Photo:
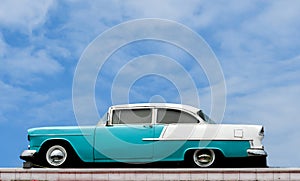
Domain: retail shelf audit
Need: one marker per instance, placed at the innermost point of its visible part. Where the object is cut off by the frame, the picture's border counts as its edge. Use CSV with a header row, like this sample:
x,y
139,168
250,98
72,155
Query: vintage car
x,y
145,133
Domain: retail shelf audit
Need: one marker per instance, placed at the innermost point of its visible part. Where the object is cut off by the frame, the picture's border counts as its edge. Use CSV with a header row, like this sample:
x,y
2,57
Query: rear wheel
x,y
204,158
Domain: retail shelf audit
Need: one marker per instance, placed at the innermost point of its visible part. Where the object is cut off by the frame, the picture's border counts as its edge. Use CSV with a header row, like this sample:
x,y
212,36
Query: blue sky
x,y
257,44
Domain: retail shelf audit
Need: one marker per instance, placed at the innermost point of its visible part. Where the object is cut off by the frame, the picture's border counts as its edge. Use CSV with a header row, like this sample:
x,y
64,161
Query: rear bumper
x,y
28,155
256,152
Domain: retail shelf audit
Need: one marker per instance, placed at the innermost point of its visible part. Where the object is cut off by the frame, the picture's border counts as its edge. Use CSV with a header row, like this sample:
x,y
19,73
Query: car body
x,y
145,133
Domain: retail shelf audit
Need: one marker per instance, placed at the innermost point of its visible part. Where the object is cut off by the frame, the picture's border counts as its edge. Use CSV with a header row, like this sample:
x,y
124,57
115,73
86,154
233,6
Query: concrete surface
x,y
151,174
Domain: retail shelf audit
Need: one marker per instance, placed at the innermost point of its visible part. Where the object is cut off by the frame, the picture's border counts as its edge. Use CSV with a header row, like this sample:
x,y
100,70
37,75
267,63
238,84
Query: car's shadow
x,y
225,164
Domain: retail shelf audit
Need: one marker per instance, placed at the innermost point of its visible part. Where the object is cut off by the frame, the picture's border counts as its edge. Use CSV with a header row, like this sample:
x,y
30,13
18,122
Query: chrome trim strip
x,y
256,152
60,135
192,139
28,153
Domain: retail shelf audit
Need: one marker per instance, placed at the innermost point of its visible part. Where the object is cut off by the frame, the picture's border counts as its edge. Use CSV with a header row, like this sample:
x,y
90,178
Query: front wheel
x,y
56,156
204,158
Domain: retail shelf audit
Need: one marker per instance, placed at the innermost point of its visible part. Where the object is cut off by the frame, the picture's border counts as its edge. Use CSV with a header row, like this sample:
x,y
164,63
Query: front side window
x,y
169,116
132,116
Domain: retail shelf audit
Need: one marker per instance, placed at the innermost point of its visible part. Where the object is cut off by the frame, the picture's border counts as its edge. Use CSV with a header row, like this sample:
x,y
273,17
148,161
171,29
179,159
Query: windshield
x,y
103,120
205,117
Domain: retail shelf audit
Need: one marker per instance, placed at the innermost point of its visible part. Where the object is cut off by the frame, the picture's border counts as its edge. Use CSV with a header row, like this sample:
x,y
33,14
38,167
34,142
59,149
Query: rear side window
x,y
132,116
169,116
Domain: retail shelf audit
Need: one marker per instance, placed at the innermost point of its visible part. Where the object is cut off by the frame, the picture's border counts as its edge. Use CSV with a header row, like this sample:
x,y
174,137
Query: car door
x,y
123,138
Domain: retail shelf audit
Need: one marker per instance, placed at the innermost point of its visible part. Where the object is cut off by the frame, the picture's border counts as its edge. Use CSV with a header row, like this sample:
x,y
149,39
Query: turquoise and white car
x,y
145,133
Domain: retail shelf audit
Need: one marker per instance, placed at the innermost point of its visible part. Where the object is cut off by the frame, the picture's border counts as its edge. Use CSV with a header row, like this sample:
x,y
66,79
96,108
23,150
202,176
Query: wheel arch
x,y
59,141
53,141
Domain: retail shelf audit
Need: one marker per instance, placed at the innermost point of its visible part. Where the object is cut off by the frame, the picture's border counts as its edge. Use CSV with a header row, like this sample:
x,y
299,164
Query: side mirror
x,y
108,116
108,124
107,120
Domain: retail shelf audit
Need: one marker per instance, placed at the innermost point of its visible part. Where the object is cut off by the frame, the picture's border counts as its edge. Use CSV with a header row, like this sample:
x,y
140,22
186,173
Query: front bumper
x,y
256,152
28,155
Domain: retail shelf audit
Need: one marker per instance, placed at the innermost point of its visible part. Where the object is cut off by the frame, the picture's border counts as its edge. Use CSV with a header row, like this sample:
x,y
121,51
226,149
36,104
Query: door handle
x,y
148,126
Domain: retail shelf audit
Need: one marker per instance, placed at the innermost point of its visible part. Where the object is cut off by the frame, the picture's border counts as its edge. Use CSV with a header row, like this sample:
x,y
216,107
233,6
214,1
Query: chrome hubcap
x,y
56,155
204,158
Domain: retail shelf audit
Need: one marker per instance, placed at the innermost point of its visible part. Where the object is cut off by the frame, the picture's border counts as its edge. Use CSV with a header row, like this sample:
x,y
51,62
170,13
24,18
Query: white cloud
x,y
267,80
268,97
277,109
263,32
2,46
23,14
52,112
23,65
195,14
278,23
15,101
32,108
160,9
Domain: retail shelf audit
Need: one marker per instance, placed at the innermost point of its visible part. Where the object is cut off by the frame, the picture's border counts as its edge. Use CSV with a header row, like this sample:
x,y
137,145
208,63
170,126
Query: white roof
x,y
160,105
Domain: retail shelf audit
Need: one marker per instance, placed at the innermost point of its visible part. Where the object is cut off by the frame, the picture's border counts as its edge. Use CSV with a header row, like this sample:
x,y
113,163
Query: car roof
x,y
159,105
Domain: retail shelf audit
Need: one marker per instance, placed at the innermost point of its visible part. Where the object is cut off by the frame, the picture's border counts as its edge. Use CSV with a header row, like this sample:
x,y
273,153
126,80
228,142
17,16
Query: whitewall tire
x,y
56,156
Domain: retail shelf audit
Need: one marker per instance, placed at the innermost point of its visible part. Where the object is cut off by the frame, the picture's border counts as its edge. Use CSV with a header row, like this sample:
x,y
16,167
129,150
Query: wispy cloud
x,y
21,106
21,66
23,15
13,97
